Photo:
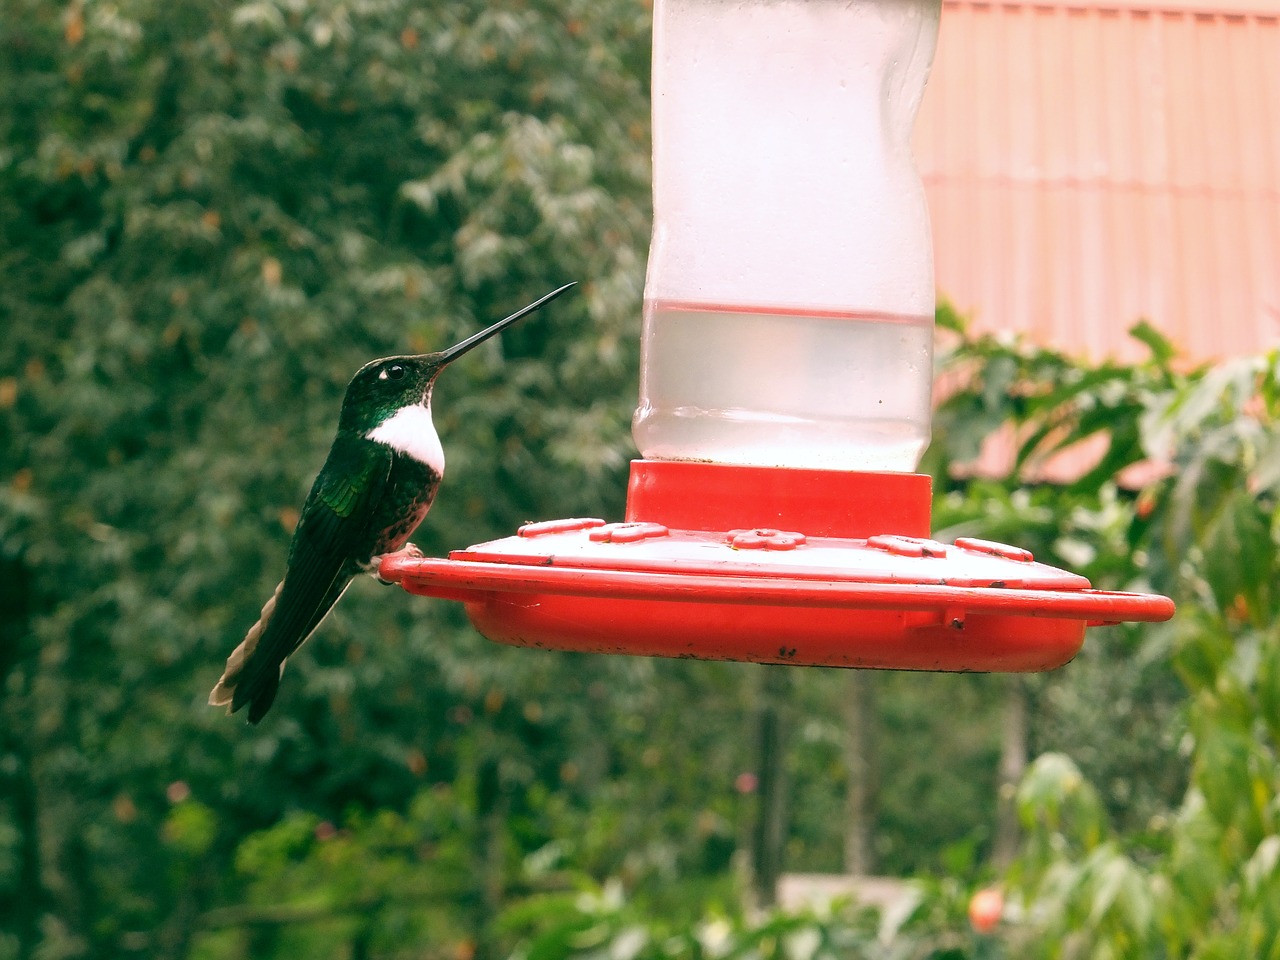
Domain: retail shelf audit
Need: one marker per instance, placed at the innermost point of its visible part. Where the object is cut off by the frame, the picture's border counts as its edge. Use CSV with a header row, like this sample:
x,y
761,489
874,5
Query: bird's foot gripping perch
x,y
407,552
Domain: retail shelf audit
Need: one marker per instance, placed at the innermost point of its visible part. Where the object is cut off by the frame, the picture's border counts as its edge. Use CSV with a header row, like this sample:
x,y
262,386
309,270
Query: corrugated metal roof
x,y
1092,163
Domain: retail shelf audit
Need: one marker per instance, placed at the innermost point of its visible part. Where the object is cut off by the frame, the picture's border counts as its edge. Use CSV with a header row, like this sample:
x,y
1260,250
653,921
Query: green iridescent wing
x,y
338,511
335,523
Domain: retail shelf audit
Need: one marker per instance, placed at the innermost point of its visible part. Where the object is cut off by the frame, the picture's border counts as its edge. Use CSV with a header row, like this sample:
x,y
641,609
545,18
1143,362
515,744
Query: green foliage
x,y
1047,404
599,922
1203,884
210,216
386,883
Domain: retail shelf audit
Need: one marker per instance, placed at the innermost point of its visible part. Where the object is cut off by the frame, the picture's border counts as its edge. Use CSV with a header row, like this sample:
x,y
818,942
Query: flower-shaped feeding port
x,y
765,539
627,532
784,387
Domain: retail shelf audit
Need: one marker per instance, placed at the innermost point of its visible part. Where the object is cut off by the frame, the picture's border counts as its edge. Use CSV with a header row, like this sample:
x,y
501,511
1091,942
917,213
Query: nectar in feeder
x,y
788,316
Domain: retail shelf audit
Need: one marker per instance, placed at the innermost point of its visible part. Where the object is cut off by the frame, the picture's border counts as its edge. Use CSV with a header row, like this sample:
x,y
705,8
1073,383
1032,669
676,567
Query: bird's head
x,y
382,387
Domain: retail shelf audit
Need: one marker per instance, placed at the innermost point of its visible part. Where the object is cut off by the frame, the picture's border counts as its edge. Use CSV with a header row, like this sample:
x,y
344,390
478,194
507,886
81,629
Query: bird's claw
x,y
408,551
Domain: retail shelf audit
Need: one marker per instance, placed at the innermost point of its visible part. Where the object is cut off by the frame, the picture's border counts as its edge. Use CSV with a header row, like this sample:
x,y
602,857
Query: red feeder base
x,y
815,567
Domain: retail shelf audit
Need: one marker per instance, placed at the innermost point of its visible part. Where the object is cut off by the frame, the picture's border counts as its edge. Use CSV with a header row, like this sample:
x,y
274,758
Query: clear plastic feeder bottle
x,y
788,315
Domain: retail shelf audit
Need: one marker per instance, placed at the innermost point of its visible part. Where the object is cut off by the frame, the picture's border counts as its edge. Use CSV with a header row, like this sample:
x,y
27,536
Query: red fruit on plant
x,y
985,908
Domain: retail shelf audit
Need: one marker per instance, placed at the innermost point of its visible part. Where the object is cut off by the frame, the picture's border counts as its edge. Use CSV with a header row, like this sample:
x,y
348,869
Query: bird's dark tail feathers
x,y
240,682
264,694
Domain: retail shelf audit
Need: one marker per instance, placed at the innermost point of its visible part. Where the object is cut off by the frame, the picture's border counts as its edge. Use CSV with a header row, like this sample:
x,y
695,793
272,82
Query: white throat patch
x,y
411,432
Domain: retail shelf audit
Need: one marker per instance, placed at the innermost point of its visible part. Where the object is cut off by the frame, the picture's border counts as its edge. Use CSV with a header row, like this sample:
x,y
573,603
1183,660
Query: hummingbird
x,y
376,486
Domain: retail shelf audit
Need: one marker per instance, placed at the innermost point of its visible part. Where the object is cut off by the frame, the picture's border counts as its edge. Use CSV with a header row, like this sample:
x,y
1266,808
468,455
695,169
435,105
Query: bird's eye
x,y
393,372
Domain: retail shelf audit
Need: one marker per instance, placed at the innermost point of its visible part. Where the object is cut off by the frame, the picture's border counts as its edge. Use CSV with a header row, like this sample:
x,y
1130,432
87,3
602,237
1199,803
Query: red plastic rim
x,y
789,566
463,580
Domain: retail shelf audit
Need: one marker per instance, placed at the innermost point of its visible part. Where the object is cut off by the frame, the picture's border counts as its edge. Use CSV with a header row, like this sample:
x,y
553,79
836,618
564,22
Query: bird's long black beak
x,y
458,349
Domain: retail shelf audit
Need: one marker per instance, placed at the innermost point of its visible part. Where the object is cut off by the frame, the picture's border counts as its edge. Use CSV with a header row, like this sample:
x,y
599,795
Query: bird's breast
x,y
410,433
410,491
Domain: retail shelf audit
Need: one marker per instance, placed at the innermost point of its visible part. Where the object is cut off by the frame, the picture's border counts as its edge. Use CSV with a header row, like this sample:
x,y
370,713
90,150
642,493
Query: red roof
x,y
1091,163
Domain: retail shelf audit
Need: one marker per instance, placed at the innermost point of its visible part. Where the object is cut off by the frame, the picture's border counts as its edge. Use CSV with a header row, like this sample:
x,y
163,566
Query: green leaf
x,y
1054,794
1222,773
1162,348
1262,871
191,827
1240,556
1268,685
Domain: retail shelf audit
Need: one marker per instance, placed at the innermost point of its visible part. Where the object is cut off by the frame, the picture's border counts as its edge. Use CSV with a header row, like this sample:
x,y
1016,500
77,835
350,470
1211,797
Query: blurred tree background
x,y
210,216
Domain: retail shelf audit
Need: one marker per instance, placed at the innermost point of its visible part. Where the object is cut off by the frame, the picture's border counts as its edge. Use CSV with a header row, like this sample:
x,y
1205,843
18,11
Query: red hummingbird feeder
x,y
785,386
